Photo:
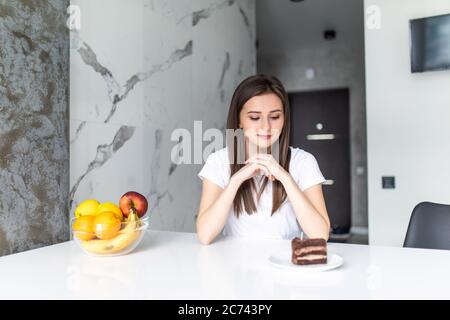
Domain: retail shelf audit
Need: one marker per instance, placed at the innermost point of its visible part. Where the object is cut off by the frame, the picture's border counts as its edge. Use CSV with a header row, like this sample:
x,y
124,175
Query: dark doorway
x,y
320,125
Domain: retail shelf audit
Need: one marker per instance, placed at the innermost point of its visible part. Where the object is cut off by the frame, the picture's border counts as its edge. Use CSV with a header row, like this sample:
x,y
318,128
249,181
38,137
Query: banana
x,y
125,238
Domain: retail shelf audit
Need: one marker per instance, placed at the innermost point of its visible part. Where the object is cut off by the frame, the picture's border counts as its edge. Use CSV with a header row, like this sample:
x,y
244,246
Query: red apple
x,y
133,200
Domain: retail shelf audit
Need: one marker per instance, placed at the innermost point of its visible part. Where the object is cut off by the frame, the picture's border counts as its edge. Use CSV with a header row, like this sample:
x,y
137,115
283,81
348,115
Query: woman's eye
x,y
275,118
254,118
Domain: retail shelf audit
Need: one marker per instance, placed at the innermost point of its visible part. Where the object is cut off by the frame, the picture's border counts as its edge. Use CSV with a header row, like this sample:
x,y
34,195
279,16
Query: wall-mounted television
x,y
430,43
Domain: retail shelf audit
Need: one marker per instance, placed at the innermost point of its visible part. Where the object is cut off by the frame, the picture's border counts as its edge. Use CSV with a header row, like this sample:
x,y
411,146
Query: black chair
x,y
429,227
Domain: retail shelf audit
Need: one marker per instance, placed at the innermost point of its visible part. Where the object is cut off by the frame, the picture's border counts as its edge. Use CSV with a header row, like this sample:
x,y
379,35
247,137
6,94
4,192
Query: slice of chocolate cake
x,y
309,251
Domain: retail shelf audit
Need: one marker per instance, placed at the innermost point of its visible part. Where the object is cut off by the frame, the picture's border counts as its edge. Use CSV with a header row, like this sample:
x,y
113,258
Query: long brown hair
x,y
248,88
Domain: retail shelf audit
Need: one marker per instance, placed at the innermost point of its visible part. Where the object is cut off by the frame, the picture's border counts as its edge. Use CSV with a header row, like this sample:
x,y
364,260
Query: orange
x,y
106,225
83,228
109,206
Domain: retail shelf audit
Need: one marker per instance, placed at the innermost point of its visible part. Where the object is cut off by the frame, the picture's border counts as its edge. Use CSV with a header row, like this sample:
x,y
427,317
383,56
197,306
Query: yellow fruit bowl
x,y
108,239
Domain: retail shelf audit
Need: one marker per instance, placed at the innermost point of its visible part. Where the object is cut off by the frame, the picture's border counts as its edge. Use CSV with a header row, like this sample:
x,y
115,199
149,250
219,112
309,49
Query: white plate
x,y
283,260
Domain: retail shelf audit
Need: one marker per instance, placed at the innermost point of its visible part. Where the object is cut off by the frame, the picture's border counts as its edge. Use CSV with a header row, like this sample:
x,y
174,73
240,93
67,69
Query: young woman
x,y
266,196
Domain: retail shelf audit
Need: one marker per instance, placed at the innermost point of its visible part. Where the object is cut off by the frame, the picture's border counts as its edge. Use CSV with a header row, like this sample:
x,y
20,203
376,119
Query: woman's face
x,y
262,119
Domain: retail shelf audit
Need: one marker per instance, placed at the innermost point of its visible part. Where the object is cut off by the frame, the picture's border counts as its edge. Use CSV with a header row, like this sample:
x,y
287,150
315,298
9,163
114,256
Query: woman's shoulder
x,y
215,169
302,160
300,155
219,155
304,168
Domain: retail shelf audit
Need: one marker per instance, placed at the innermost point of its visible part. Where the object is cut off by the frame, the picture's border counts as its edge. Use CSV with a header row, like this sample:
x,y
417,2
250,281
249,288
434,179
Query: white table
x,y
172,265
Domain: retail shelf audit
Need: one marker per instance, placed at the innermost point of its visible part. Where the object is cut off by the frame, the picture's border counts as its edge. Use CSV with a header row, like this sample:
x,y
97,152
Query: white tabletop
x,y
173,265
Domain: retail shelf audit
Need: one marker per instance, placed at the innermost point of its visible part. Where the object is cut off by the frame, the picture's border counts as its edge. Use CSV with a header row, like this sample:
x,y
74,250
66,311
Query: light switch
x,y
388,182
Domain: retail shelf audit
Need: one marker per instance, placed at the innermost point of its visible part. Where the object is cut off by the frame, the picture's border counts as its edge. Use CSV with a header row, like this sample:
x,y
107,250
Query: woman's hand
x,y
249,171
276,171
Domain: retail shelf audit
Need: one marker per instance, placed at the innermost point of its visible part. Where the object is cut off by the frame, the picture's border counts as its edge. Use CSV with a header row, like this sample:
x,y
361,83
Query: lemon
x,y
110,207
87,208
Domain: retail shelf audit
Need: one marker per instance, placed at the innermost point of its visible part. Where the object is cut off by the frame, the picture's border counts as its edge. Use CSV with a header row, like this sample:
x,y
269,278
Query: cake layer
x,y
297,243
309,257
312,257
309,262
321,252
307,250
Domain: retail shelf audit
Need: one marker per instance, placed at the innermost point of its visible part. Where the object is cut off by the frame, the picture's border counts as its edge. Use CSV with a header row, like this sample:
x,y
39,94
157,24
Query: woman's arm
x,y
214,207
216,202
309,207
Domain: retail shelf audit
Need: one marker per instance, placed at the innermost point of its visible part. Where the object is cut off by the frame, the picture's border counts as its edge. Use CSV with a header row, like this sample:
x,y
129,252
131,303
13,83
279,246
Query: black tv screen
x,y
430,43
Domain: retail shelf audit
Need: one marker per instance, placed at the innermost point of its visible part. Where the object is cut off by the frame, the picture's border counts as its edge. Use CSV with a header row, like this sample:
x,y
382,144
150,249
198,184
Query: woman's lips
x,y
267,137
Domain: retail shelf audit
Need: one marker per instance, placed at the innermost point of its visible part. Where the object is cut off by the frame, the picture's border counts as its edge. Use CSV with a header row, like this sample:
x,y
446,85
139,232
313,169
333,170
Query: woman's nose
x,y
266,125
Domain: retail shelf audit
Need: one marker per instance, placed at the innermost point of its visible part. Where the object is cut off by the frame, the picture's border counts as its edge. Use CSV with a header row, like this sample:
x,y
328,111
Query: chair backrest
x,y
429,227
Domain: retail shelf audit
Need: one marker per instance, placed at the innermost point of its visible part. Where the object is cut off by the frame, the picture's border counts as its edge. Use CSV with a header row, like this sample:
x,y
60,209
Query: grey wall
x,y
290,42
34,124
139,70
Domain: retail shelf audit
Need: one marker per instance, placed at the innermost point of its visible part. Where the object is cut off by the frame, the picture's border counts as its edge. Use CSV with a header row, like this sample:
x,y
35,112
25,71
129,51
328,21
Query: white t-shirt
x,y
282,224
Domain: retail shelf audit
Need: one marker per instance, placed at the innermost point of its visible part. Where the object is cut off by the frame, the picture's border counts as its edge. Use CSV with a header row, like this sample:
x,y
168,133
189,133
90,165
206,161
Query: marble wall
x,y
34,124
139,70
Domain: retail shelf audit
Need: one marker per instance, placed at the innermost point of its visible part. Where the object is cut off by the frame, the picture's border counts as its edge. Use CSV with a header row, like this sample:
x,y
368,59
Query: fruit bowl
x,y
104,243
